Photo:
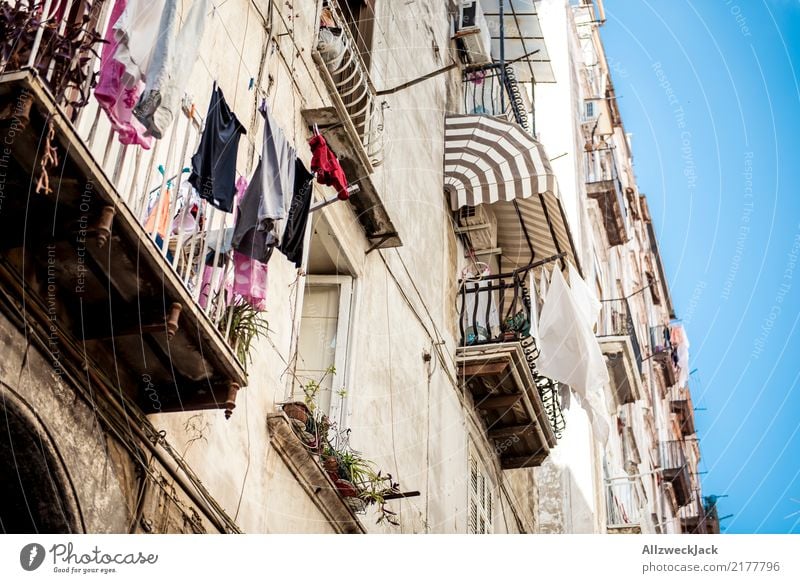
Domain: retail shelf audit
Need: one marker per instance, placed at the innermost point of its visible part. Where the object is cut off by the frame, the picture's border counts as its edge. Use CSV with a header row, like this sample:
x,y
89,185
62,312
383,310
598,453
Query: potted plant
x,y
241,323
375,490
330,462
297,410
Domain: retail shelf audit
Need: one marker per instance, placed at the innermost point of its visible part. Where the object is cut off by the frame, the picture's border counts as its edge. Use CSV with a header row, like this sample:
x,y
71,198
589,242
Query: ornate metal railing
x,y
623,503
488,92
339,51
496,309
59,41
673,456
616,320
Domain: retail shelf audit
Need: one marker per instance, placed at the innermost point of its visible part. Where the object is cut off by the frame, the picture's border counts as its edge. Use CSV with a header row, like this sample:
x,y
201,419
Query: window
x,y
325,321
481,499
590,110
324,330
360,16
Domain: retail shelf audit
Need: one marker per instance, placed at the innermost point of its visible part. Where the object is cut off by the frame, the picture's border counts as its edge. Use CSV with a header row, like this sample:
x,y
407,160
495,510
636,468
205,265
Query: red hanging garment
x,y
325,164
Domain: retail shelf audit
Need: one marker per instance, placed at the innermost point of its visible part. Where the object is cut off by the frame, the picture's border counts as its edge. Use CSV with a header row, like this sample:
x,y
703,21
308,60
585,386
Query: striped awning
x,y
495,162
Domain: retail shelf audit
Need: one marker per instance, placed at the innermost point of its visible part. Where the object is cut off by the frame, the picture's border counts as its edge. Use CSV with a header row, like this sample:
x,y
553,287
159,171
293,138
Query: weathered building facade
x,y
145,390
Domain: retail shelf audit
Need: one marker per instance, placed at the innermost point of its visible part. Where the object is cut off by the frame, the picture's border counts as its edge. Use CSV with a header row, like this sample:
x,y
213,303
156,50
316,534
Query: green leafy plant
x,y
242,324
372,485
312,387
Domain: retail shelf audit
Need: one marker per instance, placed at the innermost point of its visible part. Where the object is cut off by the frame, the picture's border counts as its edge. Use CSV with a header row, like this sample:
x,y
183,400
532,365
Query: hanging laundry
x,y
158,218
265,201
170,64
136,32
569,353
250,280
326,166
249,275
680,351
273,180
214,164
294,233
586,301
116,99
210,274
189,217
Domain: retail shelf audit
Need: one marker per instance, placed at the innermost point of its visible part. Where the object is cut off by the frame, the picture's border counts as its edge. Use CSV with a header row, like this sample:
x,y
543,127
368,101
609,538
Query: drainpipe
x,y
502,56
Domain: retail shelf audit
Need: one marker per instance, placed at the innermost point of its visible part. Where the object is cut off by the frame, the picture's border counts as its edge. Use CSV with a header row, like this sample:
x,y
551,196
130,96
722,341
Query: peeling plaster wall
x,y
95,472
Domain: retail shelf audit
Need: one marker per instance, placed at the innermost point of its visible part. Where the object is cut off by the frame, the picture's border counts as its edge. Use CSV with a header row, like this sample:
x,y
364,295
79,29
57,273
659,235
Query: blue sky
x,y
709,90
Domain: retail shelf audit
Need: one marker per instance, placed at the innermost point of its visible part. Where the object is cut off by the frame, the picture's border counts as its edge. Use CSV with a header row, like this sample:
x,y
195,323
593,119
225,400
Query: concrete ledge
x,y
311,476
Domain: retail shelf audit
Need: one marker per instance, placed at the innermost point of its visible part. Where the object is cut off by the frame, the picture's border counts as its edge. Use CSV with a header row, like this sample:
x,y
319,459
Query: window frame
x,y
483,485
337,410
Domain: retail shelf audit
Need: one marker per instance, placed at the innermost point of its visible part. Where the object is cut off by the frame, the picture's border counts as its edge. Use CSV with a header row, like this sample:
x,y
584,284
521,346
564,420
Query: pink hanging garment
x,y
114,97
210,278
250,280
249,275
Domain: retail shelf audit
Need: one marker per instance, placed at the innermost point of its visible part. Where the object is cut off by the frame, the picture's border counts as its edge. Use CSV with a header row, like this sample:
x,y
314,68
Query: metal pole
x,y
502,57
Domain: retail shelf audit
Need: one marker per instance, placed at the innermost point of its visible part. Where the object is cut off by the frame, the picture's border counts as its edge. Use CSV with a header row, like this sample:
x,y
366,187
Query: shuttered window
x,y
481,499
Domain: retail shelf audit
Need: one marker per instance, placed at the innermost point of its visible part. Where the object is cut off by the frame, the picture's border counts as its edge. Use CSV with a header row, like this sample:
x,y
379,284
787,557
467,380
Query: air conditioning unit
x,y
480,225
473,30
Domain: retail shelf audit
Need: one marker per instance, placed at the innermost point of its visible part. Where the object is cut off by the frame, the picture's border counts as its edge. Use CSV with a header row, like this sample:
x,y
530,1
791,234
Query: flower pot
x,y
331,465
297,411
346,489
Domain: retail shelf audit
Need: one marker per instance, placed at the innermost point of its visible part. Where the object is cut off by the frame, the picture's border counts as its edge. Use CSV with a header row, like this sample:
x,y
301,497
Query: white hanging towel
x,y
569,353
174,54
543,283
586,301
534,307
136,31
681,342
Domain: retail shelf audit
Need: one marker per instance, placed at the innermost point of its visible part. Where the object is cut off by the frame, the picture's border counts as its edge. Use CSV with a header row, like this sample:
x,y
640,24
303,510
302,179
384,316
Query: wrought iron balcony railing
x,y
59,41
347,75
604,185
673,456
693,515
623,504
675,470
496,309
120,196
488,92
616,320
664,353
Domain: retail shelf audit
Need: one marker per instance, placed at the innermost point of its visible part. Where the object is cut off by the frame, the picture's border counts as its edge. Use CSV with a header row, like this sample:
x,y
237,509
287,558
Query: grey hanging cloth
x,y
268,195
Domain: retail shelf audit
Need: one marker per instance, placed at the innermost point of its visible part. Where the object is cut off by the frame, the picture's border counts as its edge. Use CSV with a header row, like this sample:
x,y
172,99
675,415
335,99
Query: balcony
x,y
624,503
675,471
346,75
664,354
680,402
711,514
75,257
603,185
488,92
616,334
519,408
353,125
693,515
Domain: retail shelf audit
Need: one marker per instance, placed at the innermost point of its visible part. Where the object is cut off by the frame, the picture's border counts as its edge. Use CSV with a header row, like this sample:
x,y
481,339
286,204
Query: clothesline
x,y
142,89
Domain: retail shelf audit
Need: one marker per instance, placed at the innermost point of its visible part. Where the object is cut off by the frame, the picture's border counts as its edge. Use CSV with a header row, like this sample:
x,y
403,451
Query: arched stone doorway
x,y
36,495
